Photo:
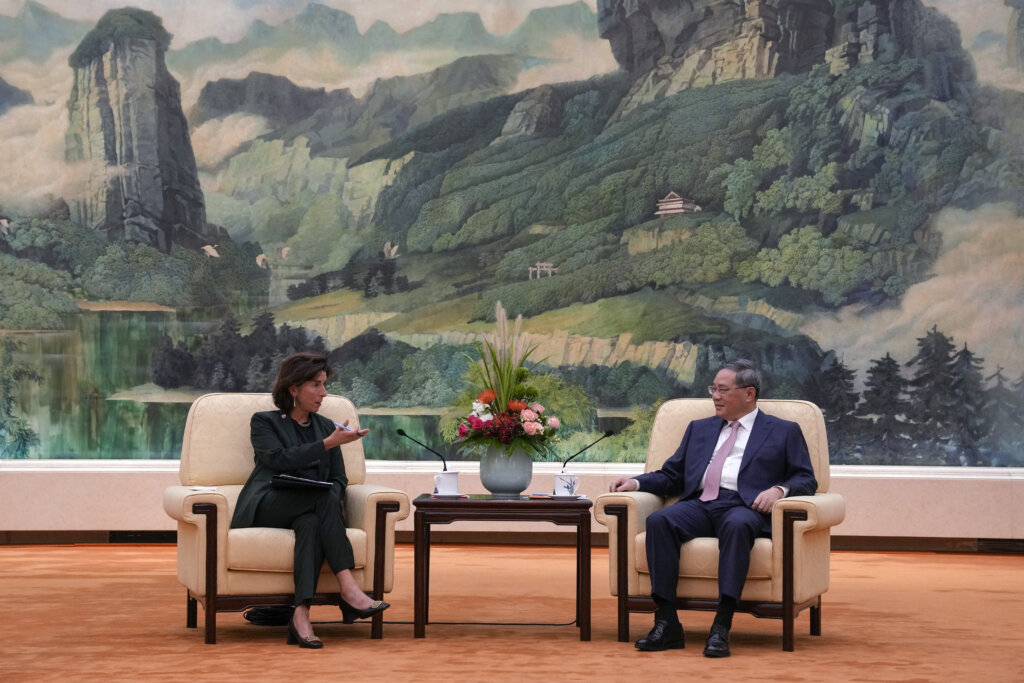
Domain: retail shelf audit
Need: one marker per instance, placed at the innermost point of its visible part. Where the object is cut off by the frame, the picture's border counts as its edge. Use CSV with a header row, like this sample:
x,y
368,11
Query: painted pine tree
x,y
886,405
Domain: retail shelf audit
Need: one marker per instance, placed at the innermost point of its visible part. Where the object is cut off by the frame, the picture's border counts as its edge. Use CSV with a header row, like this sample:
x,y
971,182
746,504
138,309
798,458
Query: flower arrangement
x,y
517,422
501,407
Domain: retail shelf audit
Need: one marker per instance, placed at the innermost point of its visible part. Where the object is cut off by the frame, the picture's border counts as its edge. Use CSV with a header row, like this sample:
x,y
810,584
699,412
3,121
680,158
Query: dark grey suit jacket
x,y
277,450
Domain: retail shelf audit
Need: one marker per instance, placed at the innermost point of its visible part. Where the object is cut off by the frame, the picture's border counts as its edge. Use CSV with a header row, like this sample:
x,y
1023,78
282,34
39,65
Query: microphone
x,y
401,432
609,432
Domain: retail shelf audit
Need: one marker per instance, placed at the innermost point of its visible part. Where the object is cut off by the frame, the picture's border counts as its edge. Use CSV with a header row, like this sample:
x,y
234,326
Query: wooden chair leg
x,y
191,611
210,605
816,618
620,512
789,518
380,537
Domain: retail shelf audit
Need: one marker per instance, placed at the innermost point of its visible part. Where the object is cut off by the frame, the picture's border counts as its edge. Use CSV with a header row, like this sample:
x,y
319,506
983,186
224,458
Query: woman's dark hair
x,y
296,369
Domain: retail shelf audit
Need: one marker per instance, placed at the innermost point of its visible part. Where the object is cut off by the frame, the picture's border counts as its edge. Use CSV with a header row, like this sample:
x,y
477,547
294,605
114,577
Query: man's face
x,y
731,401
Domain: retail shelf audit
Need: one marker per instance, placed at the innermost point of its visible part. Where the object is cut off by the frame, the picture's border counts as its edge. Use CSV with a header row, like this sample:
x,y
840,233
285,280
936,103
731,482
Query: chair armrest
x,y
178,502
824,510
639,505
361,503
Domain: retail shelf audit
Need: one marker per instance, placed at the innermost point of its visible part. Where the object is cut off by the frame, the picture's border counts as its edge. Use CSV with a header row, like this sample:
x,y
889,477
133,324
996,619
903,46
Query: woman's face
x,y
310,394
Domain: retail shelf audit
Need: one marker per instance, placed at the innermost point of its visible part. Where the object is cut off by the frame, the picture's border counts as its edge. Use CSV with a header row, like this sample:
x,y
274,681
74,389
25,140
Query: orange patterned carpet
x,y
117,612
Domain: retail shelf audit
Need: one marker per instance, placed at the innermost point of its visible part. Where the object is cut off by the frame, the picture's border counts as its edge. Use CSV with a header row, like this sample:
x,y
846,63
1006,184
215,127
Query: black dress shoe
x,y
349,614
718,642
664,636
310,642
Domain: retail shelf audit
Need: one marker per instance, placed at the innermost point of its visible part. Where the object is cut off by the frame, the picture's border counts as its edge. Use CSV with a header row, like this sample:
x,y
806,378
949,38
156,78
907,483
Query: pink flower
x,y
528,415
537,408
553,423
463,430
475,422
532,428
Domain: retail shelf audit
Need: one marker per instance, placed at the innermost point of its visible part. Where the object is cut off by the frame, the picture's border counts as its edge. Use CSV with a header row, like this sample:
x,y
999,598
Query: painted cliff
x,y
125,121
670,47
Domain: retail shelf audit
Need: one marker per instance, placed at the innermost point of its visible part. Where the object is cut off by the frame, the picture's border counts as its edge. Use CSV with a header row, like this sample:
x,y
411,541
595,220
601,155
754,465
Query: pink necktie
x,y
714,473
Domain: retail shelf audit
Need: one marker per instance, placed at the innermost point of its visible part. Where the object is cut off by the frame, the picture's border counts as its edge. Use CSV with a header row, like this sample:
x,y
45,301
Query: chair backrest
x,y
215,450
674,416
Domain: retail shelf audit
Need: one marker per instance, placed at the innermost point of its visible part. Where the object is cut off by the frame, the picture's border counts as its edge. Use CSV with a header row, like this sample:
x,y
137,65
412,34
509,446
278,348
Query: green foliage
x,y
377,371
744,177
227,360
17,438
324,239
33,296
623,385
808,260
710,254
614,178
56,242
473,125
136,272
432,376
572,248
117,24
803,194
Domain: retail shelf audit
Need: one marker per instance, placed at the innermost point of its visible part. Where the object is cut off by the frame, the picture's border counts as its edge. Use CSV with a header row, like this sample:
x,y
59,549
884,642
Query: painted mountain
x,y
830,188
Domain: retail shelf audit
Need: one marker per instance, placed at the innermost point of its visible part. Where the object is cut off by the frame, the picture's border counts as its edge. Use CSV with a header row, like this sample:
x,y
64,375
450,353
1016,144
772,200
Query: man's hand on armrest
x,y
766,499
624,484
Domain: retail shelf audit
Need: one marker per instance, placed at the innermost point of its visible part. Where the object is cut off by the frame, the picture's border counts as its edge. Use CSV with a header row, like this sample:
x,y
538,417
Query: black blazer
x,y
277,450
776,453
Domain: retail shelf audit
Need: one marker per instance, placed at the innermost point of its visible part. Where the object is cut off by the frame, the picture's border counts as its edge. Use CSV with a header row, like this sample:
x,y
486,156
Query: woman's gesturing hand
x,y
343,435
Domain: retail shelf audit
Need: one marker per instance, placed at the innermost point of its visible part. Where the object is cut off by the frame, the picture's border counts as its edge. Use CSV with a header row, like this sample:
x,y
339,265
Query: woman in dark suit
x,y
295,440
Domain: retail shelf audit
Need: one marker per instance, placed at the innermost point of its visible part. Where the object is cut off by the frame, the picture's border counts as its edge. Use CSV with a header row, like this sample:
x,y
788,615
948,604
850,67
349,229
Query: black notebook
x,y
290,481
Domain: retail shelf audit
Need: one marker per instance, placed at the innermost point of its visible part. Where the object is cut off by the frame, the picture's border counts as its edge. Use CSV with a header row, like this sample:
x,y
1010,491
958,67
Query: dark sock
x,y
726,608
666,611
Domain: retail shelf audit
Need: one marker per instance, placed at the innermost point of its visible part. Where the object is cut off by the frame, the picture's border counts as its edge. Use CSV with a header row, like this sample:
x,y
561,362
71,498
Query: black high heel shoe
x,y
350,614
310,642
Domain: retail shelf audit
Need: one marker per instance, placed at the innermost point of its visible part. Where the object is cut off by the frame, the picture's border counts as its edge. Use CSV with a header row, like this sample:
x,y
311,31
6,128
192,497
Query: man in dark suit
x,y
728,472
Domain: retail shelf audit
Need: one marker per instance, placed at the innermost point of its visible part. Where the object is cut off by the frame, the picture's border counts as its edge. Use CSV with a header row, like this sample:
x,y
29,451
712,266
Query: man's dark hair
x,y
747,374
296,369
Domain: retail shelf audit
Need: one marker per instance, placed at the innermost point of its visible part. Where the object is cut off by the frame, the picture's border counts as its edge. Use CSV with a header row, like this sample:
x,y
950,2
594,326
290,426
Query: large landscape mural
x,y
834,188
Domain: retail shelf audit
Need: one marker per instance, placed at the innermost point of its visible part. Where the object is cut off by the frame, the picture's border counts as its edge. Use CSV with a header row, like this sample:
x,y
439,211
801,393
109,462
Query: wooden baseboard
x,y
568,538
934,545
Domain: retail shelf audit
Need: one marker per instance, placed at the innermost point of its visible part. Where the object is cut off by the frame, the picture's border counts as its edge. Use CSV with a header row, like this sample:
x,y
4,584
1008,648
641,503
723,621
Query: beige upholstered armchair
x,y
228,570
788,572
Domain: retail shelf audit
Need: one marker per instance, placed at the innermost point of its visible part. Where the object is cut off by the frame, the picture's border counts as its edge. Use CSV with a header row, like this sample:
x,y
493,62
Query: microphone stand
x,y
444,468
608,433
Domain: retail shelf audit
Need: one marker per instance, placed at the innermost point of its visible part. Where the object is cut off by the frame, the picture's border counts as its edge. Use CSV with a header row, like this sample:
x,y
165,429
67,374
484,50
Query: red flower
x,y
463,430
487,395
516,406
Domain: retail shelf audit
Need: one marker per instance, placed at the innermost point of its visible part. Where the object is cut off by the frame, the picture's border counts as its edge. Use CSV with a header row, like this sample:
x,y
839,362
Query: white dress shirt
x,y
733,461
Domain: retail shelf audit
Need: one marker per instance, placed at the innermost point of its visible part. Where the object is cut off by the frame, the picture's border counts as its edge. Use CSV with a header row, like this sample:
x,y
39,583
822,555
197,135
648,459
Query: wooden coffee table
x,y
445,510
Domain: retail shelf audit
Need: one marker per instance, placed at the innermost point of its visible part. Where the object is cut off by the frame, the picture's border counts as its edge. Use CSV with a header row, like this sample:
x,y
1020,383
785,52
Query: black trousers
x,y
315,517
728,518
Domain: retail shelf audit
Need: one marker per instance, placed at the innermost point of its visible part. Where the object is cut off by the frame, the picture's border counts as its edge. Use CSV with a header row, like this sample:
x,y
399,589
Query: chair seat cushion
x,y
699,558
263,549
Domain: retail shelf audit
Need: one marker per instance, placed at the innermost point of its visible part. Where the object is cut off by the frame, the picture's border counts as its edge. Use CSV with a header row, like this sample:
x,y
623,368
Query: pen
x,y
338,424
